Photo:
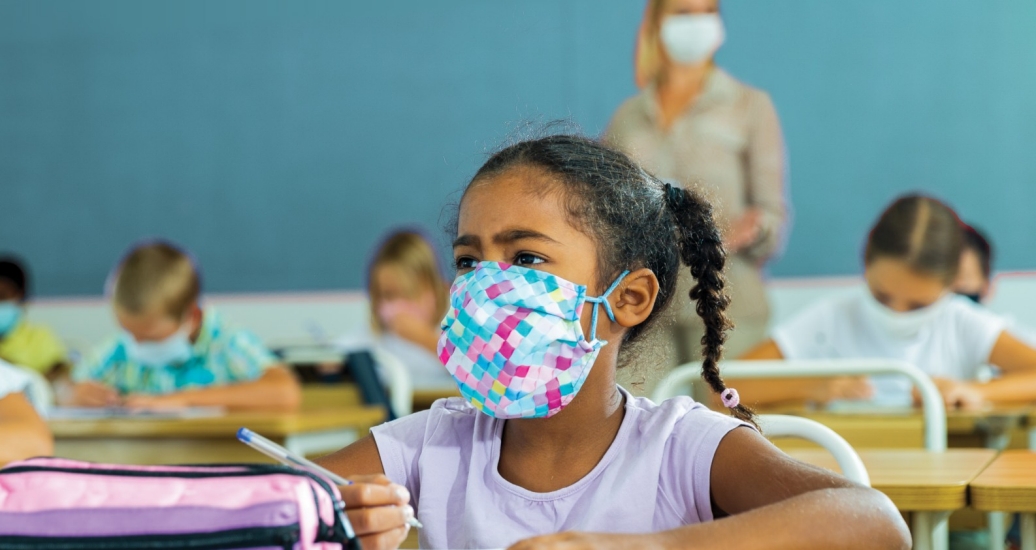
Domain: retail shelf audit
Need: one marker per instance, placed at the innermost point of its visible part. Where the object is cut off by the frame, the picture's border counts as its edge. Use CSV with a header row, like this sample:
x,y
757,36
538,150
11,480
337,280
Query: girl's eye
x,y
524,258
464,262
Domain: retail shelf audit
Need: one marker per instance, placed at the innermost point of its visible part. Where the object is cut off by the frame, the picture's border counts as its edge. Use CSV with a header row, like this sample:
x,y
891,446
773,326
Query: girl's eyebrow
x,y
512,235
466,240
504,237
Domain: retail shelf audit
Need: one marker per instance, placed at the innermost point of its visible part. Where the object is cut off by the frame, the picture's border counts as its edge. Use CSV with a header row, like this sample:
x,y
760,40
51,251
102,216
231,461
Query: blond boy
x,y
172,352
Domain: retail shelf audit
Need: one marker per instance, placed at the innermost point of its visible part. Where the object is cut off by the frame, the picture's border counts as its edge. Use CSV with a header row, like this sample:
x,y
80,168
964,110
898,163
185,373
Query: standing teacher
x,y
695,125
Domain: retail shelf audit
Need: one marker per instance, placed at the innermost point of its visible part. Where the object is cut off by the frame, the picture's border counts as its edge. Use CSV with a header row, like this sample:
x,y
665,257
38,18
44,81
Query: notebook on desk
x,y
101,413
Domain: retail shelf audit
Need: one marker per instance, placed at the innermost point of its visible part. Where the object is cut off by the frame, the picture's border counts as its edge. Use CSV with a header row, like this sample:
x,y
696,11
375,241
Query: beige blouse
x,y
727,145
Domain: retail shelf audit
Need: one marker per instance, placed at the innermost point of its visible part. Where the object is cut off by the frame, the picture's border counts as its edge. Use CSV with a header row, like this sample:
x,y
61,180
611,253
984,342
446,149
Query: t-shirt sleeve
x,y
400,443
11,380
96,366
809,334
246,357
978,329
686,476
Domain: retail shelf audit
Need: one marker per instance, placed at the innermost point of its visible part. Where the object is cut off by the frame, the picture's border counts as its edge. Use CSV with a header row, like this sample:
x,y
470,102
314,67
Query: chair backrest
x,y
394,374
400,384
931,399
779,425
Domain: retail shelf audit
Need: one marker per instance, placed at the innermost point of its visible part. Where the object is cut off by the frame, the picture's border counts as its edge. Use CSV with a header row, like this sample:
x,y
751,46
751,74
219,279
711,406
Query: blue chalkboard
x,y
279,140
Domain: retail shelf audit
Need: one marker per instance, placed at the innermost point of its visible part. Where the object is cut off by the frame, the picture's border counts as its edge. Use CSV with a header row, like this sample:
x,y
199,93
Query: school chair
x,y
931,401
400,385
394,373
782,425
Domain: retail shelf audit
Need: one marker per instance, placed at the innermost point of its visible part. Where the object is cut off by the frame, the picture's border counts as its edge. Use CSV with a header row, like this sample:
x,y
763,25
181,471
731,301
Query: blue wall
x,y
278,140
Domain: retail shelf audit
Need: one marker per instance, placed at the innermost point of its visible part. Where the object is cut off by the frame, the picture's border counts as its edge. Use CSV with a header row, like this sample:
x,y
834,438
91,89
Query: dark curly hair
x,y
637,221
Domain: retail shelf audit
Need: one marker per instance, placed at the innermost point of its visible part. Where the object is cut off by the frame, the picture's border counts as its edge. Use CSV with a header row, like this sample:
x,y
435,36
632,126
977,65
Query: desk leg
x,y
1029,531
997,533
941,531
999,440
931,530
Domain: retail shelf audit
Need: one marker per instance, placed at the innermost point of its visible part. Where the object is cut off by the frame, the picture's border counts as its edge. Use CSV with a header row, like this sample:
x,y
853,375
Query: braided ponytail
x,y
701,249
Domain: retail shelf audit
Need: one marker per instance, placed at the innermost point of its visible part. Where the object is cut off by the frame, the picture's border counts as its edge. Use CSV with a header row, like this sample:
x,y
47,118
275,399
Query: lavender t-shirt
x,y
655,475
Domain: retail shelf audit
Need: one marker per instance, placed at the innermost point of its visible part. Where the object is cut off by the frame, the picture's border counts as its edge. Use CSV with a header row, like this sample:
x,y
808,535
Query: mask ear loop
x,y
603,299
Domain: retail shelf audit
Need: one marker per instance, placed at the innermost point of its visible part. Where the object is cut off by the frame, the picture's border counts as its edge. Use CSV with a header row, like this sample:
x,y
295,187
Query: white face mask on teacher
x,y
692,38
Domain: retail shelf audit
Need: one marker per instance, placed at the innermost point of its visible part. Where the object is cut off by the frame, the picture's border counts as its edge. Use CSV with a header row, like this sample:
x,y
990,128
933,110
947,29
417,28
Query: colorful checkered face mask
x,y
513,342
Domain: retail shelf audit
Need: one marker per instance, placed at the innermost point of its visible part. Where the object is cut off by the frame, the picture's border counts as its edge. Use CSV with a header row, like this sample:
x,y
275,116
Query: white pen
x,y
286,457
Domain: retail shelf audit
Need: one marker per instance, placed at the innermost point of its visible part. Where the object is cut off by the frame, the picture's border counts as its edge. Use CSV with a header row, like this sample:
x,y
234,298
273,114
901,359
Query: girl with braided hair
x,y
566,252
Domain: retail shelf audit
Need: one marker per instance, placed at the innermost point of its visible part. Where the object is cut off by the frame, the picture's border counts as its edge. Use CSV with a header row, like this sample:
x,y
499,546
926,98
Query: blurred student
x,y
172,353
974,278
23,343
907,311
976,266
23,434
408,299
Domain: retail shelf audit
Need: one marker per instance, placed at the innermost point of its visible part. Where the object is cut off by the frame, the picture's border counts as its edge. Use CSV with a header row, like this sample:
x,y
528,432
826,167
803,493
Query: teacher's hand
x,y
378,511
744,231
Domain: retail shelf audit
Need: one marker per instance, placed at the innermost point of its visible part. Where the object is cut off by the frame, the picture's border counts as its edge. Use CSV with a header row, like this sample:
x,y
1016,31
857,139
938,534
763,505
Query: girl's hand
x,y
94,394
846,387
378,511
960,395
580,541
155,402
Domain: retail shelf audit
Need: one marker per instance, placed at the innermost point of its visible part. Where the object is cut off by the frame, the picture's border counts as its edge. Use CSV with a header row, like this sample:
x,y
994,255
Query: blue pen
x,y
284,456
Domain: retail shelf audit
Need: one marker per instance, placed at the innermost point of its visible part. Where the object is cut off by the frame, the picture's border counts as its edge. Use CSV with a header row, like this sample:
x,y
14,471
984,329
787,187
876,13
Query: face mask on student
x,y
513,342
693,38
977,298
902,324
173,350
10,314
422,308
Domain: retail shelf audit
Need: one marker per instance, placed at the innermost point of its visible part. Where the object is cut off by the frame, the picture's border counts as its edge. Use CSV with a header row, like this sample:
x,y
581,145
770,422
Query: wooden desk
x,y
990,428
1009,485
867,431
208,440
904,428
316,396
930,485
424,397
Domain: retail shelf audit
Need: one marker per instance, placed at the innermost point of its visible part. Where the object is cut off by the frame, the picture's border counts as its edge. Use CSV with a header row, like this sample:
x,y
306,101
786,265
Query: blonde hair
x,y
411,253
157,274
648,58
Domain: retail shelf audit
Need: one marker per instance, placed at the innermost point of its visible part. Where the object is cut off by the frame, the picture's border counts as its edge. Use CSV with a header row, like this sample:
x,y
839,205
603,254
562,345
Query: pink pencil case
x,y
51,504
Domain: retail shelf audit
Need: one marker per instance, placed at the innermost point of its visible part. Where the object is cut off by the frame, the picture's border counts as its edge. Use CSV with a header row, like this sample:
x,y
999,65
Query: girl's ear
x,y
634,300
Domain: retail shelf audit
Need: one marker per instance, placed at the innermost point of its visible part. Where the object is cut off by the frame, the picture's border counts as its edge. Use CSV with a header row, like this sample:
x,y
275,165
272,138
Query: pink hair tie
x,y
730,398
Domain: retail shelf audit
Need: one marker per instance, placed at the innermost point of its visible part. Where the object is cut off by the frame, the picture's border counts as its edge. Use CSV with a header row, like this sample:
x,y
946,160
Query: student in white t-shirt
x,y
22,433
906,311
